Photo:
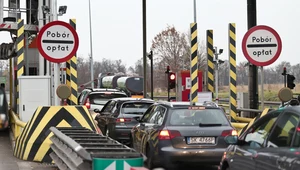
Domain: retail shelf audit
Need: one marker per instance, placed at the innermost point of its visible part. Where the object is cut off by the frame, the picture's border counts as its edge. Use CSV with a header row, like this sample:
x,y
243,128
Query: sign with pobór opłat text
x,y
57,41
261,45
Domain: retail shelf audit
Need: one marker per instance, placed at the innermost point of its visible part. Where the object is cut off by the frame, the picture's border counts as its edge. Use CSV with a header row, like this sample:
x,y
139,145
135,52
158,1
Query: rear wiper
x,y
209,124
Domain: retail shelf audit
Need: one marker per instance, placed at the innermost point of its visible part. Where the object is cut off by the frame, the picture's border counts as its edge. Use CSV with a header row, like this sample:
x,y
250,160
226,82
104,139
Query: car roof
x,y
188,104
296,109
104,89
133,99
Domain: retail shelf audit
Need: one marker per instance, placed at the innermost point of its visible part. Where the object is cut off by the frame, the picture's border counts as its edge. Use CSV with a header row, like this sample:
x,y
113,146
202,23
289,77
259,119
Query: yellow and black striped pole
x,y
71,70
210,60
20,55
194,64
232,70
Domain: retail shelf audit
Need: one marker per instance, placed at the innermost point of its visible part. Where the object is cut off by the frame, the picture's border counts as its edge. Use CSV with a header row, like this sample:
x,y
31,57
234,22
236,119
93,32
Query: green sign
x,y
116,164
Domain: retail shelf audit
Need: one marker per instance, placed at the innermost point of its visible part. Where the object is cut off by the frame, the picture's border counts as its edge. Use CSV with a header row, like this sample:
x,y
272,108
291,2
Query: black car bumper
x,y
191,156
121,134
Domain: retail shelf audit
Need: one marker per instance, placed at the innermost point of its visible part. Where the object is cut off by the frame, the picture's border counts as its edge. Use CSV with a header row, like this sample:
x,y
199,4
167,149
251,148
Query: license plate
x,y
201,140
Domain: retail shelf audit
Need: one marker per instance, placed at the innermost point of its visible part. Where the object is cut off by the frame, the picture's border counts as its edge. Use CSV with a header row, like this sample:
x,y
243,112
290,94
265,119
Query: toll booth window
x,y
284,131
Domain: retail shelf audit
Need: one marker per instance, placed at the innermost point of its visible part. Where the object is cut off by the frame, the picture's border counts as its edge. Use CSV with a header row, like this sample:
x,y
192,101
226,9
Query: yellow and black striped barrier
x,y
210,60
71,71
20,55
194,63
33,144
232,70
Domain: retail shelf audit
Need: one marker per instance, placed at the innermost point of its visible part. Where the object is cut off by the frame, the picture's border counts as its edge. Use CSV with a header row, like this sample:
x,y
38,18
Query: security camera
x,y
46,9
62,10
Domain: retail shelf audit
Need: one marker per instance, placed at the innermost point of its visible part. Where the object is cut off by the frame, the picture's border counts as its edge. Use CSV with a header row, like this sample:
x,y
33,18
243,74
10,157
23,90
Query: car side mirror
x,y
137,118
96,110
231,140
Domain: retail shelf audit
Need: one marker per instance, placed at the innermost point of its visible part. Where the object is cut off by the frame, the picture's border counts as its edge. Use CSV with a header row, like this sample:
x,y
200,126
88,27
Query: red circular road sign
x,y
261,45
57,41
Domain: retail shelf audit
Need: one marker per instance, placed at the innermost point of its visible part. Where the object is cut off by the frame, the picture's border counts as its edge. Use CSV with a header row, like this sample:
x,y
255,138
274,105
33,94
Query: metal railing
x,y
78,148
16,124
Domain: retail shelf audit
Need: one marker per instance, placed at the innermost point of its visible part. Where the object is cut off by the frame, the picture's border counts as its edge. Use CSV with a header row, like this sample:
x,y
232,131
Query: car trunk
x,y
128,120
199,137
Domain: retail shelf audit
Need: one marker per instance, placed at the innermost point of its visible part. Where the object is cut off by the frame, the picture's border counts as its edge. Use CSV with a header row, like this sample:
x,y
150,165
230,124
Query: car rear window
x,y
189,117
102,98
135,108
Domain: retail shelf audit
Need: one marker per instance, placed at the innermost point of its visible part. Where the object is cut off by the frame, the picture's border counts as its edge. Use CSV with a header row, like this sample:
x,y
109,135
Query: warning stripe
x,y
210,60
20,55
232,67
194,63
34,142
72,74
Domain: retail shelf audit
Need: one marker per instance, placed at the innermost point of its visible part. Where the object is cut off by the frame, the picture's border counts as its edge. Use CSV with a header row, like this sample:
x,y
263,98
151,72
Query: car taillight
x,y
123,120
229,133
87,103
168,134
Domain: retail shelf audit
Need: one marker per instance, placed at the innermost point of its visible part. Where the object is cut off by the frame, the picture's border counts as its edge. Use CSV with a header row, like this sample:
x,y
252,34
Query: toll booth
x,y
184,84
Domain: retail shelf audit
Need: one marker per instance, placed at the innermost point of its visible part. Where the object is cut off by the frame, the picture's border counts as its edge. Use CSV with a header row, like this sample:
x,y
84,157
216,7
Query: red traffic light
x,y
172,76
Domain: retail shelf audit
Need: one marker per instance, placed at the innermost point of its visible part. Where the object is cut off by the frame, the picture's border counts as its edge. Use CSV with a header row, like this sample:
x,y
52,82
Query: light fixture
x,y
62,10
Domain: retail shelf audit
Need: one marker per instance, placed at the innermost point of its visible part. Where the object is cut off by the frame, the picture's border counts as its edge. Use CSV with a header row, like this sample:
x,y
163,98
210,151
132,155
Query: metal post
x,y
195,12
262,88
144,49
151,65
91,46
1,10
253,85
26,54
56,65
168,86
41,24
217,74
11,71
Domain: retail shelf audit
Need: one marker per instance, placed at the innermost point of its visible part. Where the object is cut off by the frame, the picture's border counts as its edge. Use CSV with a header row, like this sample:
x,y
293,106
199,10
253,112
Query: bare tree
x,y
172,48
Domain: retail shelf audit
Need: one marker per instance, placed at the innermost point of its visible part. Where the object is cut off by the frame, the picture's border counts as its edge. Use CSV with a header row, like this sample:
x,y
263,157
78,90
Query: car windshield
x,y
102,98
204,117
135,108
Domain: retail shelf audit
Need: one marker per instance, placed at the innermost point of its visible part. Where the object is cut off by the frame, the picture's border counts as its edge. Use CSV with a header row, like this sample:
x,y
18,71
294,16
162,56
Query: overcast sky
x,y
117,24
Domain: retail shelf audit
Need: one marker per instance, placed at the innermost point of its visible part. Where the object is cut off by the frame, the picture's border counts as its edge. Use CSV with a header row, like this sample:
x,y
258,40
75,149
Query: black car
x,y
119,115
173,133
271,143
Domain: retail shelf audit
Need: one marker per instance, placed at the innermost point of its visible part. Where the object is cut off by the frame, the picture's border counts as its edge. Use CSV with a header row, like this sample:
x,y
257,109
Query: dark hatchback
x,y
271,143
119,115
175,133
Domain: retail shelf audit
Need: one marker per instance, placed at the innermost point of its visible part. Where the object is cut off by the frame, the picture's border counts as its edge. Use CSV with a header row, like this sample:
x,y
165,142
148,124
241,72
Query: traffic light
x,y
172,80
7,51
290,81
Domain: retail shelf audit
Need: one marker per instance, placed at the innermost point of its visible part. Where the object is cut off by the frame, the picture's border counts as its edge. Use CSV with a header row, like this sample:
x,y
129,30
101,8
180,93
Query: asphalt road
x,y
186,167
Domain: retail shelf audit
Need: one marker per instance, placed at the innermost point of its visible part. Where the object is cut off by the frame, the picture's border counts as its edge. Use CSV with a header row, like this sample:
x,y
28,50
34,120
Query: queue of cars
x,y
176,133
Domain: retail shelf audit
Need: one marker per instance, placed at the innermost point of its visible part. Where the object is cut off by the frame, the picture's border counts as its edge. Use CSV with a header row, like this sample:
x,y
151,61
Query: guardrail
x,y
270,103
16,124
78,148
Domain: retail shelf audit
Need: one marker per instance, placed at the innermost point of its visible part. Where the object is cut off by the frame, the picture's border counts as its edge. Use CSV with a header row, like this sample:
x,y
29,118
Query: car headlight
x,y
2,116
